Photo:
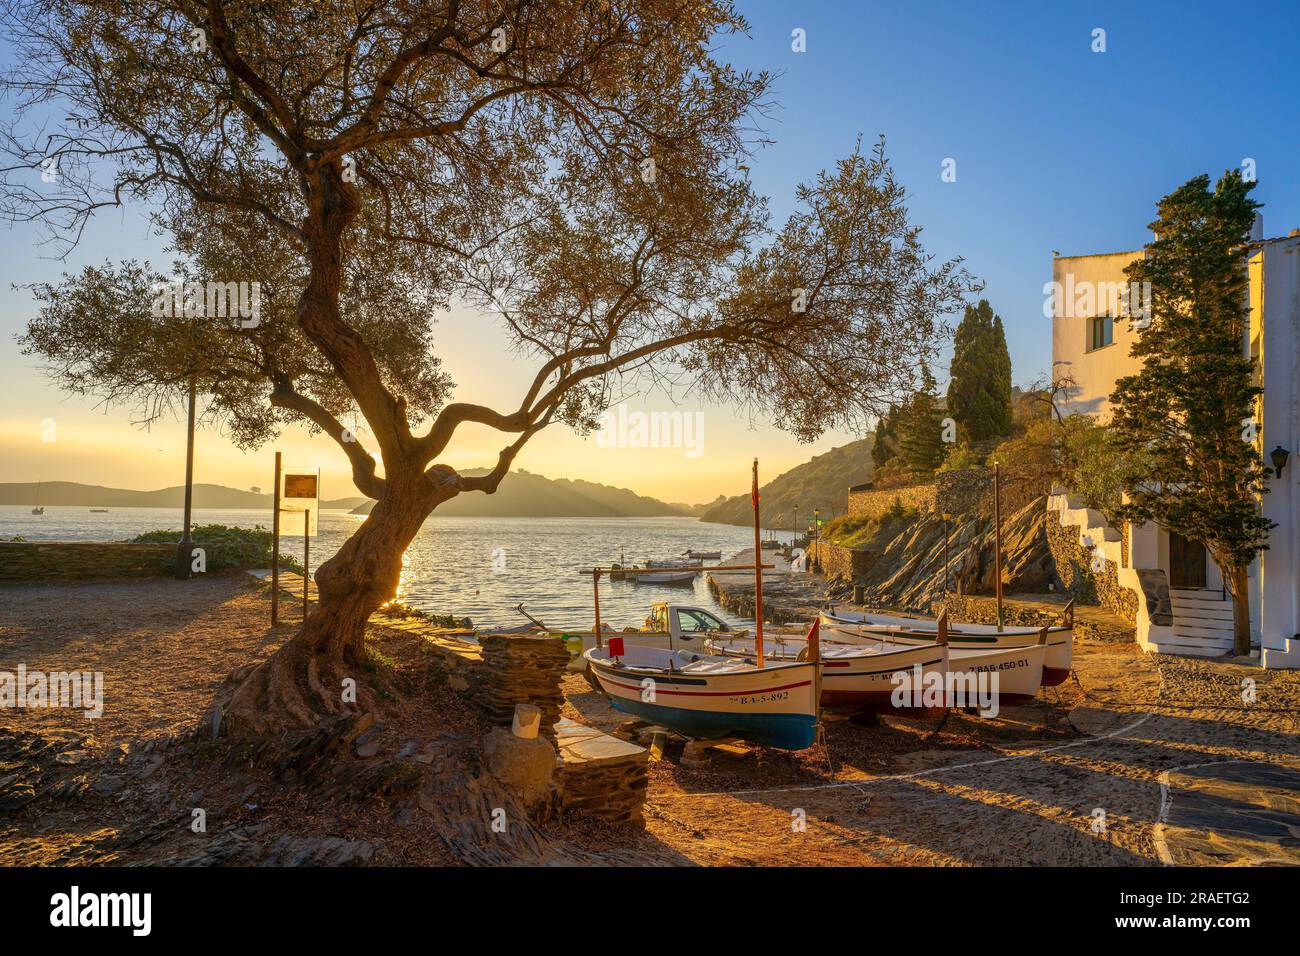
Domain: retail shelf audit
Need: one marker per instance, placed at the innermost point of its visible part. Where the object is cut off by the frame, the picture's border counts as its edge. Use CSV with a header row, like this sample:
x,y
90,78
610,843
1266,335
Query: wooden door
x,y
1186,562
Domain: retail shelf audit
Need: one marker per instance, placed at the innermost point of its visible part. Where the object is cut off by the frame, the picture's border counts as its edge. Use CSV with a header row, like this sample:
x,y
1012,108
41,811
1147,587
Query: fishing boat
x,y
868,626
664,577
710,696
854,678
704,555
1019,670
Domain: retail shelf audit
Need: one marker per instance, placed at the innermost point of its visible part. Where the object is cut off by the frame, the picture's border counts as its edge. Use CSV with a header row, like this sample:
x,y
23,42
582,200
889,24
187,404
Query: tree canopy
x,y
1191,407
979,386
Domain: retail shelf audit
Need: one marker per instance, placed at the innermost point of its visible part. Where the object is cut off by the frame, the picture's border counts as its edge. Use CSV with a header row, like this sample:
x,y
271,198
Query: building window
x,y
1101,332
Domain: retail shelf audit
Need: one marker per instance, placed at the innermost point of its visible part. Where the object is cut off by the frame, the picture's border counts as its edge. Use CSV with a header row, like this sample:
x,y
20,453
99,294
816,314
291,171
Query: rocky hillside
x,y
822,483
909,572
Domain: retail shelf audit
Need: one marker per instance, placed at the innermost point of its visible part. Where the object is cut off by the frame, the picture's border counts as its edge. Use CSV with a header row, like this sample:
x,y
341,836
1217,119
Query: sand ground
x,y
1109,770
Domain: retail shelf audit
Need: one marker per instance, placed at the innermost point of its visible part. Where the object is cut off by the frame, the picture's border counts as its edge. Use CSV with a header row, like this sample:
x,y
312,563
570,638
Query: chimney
x,y
1257,229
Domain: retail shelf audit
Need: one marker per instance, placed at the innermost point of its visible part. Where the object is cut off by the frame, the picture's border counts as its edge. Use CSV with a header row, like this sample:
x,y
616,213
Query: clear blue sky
x,y
1056,147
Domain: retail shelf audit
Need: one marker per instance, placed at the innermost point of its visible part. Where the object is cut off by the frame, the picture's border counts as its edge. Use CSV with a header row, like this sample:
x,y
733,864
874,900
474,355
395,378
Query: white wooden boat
x,y
854,677
665,577
711,696
855,627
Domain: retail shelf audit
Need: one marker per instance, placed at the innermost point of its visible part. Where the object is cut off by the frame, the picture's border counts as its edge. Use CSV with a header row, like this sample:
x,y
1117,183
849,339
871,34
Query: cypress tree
x,y
920,429
885,446
979,387
1191,408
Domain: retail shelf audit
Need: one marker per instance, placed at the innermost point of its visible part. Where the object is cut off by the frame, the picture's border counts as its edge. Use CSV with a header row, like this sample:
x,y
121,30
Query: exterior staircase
x,y
1190,622
1202,623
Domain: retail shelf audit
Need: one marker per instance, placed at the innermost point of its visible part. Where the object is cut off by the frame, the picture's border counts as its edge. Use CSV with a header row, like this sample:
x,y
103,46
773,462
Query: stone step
x,y
1220,613
1183,649
1203,633
1199,595
1191,621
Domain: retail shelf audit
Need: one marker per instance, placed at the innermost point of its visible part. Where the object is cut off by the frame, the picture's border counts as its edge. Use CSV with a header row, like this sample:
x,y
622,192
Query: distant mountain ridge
x,y
525,495
76,494
821,483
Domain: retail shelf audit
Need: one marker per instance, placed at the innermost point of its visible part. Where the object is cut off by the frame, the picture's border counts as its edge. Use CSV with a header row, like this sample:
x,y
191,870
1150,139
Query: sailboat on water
x,y
40,508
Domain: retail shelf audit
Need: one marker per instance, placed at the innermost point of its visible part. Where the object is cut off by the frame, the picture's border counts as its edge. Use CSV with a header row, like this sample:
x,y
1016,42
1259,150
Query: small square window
x,y
1101,332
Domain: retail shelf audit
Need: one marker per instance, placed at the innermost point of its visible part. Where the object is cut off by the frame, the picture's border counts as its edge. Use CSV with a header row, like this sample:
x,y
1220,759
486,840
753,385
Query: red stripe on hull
x,y
1055,675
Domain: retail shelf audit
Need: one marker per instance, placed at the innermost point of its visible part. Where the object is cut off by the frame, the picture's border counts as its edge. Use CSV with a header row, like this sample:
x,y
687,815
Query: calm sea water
x,y
470,567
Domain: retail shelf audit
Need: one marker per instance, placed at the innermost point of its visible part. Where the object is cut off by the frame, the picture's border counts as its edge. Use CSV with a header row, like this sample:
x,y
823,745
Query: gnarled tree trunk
x,y
304,680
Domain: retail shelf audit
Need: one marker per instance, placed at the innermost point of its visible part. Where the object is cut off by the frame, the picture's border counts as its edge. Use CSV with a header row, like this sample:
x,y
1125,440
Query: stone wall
x,y
969,491
77,560
520,669
872,503
602,775
1086,578
844,564
1090,624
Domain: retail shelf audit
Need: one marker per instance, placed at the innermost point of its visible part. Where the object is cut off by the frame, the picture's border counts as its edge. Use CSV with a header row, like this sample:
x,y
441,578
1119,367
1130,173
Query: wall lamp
x,y
1279,456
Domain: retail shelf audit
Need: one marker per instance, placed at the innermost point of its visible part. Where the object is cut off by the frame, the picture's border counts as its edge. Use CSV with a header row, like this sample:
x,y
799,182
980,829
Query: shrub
x,y
227,548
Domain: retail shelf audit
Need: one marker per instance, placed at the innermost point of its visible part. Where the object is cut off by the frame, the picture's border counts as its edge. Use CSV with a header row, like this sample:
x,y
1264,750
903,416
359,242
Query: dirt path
x,y
1093,789
1147,760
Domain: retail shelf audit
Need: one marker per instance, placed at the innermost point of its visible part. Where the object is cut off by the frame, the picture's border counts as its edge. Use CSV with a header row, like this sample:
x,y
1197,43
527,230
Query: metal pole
x,y
758,576
595,585
306,558
945,553
275,546
997,545
186,547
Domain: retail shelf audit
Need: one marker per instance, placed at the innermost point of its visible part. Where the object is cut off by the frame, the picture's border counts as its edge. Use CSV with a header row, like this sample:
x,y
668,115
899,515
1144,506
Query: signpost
x,y
275,546
296,490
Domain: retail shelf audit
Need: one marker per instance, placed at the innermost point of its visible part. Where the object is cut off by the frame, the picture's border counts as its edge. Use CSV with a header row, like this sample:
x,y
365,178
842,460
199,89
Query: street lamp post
x,y
185,549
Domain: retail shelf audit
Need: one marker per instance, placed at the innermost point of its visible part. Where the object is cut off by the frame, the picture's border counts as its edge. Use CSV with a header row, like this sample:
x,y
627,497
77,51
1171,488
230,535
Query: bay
x,y
479,568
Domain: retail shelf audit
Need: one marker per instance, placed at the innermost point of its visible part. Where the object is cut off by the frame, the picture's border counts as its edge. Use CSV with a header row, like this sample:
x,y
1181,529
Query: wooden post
x,y
595,584
275,546
306,558
997,537
758,574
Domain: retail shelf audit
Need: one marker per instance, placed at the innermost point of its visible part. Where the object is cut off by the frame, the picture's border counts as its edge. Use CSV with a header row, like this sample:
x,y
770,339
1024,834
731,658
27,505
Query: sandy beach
x,y
1143,760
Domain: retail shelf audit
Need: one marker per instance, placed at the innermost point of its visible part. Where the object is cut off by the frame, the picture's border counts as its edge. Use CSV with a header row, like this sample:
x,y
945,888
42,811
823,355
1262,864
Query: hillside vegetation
x,y
821,483
525,495
74,493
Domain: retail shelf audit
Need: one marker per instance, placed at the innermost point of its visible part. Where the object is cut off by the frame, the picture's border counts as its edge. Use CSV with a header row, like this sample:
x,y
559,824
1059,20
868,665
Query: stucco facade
x,y
1082,296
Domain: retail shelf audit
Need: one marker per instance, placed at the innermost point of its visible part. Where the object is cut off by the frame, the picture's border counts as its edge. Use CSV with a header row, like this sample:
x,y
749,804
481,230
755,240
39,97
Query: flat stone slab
x,y
1235,813
581,745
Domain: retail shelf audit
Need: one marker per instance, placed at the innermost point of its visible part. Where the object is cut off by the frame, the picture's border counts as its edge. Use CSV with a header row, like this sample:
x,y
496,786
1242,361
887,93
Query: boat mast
x,y
758,573
997,537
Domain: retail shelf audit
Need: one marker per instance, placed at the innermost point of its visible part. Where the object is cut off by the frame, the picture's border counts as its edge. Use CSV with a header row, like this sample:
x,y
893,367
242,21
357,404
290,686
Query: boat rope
x,y
862,784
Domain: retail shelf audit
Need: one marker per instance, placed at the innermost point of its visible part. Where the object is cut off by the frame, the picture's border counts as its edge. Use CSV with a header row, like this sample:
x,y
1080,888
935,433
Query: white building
x,y
1090,347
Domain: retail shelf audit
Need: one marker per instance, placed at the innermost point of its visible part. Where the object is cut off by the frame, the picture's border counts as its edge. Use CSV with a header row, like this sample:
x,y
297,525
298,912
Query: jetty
x,y
788,595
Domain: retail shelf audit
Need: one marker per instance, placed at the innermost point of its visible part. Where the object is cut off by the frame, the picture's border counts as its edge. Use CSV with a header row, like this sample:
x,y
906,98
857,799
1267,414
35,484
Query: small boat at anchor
x,y
710,696
704,555
664,577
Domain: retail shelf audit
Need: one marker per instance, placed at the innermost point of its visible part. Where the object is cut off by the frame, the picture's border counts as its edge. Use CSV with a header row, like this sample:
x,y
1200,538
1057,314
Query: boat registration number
x,y
762,698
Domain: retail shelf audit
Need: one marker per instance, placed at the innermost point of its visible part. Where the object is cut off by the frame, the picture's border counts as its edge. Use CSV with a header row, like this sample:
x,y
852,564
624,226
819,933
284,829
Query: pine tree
x,y
885,447
1192,405
920,429
979,388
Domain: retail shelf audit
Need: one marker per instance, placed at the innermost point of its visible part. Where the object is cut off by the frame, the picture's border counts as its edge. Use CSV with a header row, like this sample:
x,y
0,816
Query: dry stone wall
x,y
83,560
